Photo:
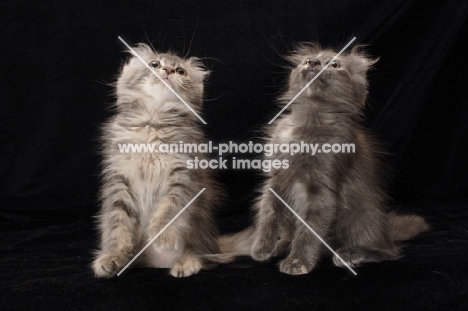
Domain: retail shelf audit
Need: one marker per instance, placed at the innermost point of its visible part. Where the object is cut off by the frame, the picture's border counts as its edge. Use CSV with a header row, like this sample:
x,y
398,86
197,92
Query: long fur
x,y
341,196
142,192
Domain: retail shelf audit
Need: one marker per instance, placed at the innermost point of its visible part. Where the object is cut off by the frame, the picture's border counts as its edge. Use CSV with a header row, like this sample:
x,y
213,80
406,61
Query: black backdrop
x,y
57,58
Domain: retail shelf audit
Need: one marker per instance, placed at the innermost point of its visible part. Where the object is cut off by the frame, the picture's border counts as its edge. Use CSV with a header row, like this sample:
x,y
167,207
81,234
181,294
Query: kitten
x,y
341,196
142,192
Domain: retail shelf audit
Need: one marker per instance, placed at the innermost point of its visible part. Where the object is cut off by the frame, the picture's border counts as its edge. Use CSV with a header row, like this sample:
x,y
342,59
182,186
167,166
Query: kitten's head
x,y
344,80
185,76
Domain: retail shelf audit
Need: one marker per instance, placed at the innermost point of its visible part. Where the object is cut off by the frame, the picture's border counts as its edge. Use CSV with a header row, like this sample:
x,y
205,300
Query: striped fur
x,y
142,192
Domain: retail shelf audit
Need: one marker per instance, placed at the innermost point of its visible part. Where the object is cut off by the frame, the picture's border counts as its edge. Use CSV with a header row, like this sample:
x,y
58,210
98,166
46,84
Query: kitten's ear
x,y
197,63
143,50
360,62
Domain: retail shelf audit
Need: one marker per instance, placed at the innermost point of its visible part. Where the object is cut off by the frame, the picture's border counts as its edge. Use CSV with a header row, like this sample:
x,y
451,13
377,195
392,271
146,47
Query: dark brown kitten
x,y
340,195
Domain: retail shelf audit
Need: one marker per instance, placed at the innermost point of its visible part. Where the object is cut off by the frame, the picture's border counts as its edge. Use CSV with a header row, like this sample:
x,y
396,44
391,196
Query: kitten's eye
x,y
334,64
155,64
181,71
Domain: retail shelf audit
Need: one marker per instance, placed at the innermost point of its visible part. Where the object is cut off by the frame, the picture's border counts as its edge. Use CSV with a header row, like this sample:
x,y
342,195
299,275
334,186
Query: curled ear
x,y
143,50
360,61
201,70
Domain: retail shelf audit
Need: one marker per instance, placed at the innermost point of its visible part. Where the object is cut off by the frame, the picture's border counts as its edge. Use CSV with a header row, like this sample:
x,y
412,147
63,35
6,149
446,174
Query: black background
x,y
57,58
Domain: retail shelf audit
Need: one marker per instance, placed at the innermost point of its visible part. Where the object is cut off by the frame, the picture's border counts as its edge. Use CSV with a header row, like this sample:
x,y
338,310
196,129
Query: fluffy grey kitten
x,y
142,192
341,196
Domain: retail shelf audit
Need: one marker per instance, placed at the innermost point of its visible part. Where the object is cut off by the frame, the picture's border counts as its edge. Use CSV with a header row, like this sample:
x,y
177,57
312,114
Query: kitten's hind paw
x,y
295,266
108,265
263,250
356,256
186,267
351,258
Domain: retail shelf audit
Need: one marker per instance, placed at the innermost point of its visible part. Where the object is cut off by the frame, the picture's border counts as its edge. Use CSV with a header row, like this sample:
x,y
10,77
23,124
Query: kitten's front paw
x,y
108,265
295,266
263,249
186,267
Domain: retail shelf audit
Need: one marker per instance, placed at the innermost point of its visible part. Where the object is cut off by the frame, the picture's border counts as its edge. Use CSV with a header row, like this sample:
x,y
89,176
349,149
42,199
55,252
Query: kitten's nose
x,y
312,62
168,70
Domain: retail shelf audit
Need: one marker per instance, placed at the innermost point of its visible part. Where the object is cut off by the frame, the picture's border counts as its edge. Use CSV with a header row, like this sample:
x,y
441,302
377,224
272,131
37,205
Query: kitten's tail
x,y
232,246
405,227
238,244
